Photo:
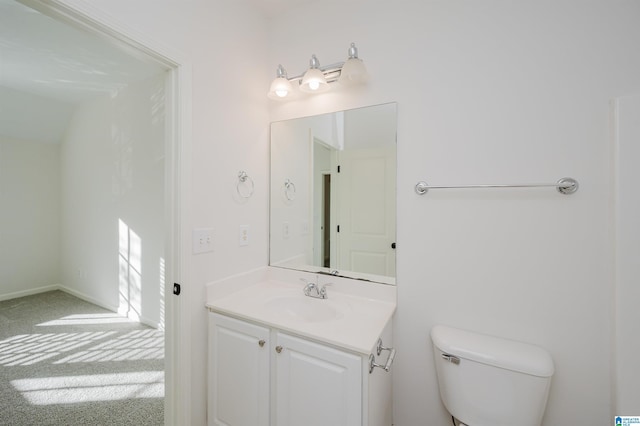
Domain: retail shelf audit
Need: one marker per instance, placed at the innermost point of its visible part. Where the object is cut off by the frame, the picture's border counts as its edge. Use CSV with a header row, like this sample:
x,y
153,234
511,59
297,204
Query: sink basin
x,y
352,317
304,308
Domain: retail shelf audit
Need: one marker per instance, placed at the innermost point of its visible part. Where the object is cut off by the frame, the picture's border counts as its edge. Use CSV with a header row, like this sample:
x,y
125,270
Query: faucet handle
x,y
308,285
322,291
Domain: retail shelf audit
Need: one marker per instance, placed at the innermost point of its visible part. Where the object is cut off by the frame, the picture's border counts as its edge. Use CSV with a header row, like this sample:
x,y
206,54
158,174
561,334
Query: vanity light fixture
x,y
317,78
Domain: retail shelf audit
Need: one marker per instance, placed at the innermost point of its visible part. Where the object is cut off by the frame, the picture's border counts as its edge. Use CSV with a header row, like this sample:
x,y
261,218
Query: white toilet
x,y
490,381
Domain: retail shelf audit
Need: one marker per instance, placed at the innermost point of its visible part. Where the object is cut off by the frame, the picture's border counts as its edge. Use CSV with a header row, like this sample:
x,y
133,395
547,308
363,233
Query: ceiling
x,y
272,8
47,68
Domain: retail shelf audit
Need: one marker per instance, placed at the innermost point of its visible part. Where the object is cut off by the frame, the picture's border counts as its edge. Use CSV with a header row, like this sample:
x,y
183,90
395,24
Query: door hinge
x,y
338,169
338,228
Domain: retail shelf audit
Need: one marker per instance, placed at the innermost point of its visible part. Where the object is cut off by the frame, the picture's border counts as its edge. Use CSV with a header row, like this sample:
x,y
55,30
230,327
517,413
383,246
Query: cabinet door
x,y
238,373
316,385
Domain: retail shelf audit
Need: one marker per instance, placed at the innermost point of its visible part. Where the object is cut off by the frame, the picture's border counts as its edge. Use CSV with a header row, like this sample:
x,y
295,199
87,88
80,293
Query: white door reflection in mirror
x,y
366,218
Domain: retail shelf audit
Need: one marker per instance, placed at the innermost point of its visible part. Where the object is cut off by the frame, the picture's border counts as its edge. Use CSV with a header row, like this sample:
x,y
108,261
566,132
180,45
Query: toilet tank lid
x,y
495,351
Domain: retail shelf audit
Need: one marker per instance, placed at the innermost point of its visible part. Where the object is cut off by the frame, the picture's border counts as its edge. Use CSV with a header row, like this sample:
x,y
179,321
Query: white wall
x,y
29,216
112,161
491,91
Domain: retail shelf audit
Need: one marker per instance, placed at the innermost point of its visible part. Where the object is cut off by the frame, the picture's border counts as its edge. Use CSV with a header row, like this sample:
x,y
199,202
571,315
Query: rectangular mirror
x,y
333,193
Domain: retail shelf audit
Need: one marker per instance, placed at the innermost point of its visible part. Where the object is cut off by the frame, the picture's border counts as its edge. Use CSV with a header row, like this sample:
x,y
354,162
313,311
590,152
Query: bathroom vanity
x,y
278,357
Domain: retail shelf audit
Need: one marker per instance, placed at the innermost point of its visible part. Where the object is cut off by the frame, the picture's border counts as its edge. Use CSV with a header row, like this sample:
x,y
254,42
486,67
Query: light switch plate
x,y
202,240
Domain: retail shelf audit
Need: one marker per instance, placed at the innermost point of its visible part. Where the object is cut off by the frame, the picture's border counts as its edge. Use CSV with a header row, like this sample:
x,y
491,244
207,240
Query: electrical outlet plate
x,y
244,235
202,240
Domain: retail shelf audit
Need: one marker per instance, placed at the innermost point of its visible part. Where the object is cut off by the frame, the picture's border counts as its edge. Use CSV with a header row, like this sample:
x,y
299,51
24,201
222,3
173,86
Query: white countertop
x,y
346,319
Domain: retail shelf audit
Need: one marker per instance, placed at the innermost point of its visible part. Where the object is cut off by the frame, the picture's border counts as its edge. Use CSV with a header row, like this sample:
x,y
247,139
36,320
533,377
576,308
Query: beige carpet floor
x,y
64,361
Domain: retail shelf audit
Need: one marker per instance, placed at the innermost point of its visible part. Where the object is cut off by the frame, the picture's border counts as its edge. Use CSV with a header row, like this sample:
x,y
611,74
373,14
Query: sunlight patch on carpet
x,y
91,388
28,349
135,345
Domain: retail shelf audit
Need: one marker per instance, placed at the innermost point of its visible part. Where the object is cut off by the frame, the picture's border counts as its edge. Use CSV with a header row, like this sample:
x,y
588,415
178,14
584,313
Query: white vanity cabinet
x,y
261,376
316,385
239,379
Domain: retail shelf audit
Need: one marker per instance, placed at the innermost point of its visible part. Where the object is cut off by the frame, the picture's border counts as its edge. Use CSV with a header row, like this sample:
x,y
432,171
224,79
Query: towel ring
x,y
243,177
289,190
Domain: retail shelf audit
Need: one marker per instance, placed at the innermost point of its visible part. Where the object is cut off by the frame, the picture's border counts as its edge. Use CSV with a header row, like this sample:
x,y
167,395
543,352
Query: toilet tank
x,y
490,381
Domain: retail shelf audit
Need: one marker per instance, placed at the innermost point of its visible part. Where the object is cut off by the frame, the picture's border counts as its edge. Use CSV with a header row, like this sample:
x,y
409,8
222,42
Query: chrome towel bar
x,y
387,365
564,186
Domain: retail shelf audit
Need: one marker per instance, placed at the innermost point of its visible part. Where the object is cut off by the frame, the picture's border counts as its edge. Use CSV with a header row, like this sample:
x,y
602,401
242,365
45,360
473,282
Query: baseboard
x,y
90,299
76,293
44,289
150,323
87,298
29,292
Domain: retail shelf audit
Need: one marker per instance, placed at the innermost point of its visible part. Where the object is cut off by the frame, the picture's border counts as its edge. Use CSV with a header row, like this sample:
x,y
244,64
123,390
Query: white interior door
x,y
366,210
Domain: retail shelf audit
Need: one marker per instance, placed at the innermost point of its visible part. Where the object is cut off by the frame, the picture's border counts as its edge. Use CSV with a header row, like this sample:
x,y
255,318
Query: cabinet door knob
x,y
261,343
278,349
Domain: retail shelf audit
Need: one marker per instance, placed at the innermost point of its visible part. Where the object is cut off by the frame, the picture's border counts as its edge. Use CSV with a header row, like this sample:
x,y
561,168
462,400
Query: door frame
x,y
82,15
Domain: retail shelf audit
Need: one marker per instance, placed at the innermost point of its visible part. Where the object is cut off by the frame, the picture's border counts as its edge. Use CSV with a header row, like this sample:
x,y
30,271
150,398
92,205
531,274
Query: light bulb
x,y
314,80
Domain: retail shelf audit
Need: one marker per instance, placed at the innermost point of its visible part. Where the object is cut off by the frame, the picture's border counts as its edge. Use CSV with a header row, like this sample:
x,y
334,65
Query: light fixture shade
x,y
281,86
314,80
353,71
280,89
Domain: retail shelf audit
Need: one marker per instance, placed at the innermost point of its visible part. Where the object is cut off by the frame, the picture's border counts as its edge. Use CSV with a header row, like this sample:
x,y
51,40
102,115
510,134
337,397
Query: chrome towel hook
x,y
243,178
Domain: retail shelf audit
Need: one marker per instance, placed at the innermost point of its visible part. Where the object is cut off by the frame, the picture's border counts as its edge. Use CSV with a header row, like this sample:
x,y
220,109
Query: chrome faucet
x,y
314,290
